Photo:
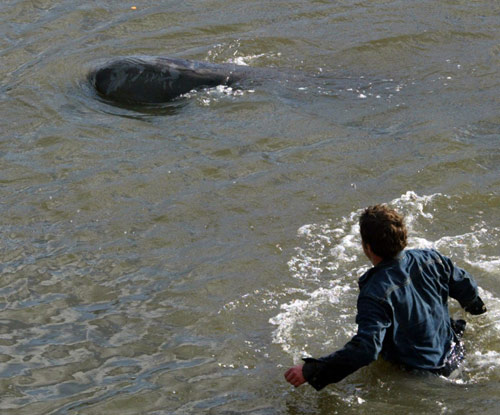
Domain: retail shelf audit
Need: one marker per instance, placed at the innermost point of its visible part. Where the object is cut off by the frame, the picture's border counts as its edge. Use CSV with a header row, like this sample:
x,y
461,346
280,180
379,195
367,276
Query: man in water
x,y
402,307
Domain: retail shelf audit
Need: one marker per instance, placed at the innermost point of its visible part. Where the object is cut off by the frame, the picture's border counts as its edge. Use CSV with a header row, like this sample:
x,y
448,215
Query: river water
x,y
178,259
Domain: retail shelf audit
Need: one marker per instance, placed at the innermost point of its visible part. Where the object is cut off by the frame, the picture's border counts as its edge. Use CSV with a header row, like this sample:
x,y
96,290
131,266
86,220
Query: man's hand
x,y
476,307
295,376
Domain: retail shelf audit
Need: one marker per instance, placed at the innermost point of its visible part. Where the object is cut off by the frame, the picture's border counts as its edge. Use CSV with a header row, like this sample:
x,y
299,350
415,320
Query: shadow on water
x,y
143,111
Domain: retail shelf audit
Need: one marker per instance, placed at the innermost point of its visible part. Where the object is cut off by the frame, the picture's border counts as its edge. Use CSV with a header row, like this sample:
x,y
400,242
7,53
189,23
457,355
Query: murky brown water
x,y
177,260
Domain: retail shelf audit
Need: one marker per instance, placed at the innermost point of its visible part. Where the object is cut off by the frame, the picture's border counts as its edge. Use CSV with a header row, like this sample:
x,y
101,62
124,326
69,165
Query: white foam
x,y
243,60
489,359
487,264
208,96
300,318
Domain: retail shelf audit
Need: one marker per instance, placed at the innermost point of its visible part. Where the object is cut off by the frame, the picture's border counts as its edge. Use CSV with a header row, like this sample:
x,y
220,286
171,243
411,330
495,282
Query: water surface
x,y
177,260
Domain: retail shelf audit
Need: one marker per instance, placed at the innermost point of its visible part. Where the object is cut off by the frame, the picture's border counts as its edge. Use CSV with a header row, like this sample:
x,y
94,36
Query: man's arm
x,y
463,288
373,320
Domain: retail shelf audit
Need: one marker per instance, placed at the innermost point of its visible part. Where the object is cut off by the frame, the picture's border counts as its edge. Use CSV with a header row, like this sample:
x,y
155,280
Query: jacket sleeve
x,y
373,319
463,288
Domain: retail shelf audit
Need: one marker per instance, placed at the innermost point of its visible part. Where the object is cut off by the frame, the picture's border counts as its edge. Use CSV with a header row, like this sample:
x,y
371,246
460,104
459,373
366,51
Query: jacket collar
x,y
383,264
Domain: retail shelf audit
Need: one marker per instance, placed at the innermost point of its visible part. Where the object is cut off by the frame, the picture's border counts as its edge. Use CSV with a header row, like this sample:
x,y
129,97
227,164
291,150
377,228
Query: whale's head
x,y
130,81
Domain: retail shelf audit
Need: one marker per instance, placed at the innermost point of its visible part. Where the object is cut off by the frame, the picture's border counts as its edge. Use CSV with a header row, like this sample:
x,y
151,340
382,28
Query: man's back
x,y
414,289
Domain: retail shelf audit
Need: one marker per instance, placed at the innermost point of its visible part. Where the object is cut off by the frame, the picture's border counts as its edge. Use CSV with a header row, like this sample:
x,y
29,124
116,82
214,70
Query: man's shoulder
x,y
394,273
424,255
421,252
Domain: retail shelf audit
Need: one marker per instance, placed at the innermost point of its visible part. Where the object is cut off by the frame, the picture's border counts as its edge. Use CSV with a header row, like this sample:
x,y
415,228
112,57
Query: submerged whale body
x,y
153,80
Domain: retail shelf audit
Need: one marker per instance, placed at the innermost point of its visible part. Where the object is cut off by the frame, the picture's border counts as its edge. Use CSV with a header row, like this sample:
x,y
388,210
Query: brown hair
x,y
384,230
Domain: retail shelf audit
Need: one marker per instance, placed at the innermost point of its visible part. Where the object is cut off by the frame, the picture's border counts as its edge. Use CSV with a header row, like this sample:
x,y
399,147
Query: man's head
x,y
383,230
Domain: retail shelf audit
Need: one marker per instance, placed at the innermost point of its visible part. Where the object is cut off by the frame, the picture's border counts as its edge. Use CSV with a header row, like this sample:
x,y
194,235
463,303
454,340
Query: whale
x,y
156,80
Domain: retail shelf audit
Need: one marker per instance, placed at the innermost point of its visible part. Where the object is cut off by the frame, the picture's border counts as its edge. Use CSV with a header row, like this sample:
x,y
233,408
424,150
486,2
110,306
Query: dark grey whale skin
x,y
154,80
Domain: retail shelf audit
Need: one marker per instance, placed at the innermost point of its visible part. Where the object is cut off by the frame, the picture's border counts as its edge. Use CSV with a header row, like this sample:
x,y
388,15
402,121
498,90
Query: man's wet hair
x,y
384,230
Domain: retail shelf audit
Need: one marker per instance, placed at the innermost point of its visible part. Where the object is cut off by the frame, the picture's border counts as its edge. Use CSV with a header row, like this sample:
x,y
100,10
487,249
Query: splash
x,y
232,53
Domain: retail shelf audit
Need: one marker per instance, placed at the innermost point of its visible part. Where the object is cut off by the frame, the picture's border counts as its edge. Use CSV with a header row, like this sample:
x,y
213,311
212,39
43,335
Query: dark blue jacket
x,y
402,315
